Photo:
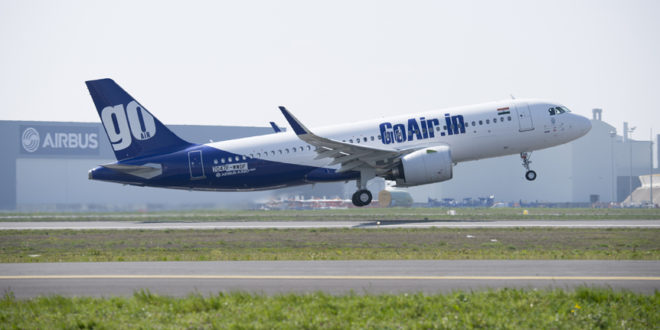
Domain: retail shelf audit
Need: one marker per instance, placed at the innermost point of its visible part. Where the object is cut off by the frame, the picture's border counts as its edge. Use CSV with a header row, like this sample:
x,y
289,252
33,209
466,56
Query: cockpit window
x,y
557,110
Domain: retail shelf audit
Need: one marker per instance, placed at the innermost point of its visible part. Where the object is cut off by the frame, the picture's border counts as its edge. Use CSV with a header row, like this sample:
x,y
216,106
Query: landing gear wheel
x,y
362,197
530,175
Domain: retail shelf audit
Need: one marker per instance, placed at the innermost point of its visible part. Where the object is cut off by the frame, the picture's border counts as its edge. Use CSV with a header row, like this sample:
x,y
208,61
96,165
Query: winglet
x,y
297,126
274,126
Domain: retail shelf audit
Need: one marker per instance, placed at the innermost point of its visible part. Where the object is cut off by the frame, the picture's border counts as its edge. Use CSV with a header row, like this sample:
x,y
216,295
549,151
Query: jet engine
x,y
423,166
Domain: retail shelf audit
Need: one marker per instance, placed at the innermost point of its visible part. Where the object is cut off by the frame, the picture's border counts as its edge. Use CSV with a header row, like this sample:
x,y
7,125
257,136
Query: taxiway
x,y
334,277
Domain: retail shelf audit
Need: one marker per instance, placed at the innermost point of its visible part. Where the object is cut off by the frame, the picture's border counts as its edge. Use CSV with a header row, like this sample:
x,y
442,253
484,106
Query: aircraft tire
x,y
356,202
530,175
362,197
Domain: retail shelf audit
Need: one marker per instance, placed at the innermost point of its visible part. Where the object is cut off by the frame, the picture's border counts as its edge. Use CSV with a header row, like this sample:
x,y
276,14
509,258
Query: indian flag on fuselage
x,y
503,111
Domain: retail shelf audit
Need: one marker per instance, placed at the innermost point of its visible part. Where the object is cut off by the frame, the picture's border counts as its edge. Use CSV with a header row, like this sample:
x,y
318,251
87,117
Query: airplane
x,y
411,150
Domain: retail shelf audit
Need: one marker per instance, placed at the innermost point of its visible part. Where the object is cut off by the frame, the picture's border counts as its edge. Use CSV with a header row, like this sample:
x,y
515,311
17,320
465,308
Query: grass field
x,y
349,214
580,309
328,244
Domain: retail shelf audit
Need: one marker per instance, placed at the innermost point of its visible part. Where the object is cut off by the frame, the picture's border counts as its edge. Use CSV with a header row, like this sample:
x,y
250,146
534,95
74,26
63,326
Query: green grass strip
x,y
584,308
329,244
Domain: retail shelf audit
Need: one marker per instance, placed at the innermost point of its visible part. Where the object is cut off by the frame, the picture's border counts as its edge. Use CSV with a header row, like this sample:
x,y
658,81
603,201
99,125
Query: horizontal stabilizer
x,y
146,171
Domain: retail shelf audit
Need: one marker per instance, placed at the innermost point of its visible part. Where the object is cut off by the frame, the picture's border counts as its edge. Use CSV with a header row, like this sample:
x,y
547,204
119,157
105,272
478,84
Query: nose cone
x,y
582,125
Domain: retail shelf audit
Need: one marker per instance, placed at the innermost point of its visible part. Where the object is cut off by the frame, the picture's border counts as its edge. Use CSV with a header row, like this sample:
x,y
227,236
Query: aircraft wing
x,y
350,156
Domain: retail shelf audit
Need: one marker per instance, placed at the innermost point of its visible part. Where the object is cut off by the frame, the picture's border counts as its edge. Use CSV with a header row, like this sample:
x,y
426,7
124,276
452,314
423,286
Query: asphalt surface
x,y
334,277
146,225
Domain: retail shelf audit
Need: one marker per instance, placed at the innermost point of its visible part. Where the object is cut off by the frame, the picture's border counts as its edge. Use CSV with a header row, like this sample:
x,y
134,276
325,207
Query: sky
x,y
234,62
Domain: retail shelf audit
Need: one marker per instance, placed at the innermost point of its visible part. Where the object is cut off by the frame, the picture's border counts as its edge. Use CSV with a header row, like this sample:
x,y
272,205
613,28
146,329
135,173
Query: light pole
x,y
630,131
612,177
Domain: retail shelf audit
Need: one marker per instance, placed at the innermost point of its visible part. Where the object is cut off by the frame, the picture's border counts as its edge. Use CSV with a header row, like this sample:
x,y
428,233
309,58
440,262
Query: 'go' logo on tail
x,y
122,126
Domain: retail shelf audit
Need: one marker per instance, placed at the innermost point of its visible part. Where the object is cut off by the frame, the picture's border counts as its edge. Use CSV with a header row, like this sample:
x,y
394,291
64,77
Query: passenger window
x,y
280,151
509,118
301,149
481,122
365,139
272,152
380,137
286,150
372,138
351,140
229,160
357,140
444,127
244,158
487,121
237,158
293,149
494,120
258,155
466,125
222,160
437,128
308,148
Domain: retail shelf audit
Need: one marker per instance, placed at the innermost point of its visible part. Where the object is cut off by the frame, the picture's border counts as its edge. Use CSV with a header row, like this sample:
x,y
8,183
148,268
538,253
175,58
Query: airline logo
x,y
55,140
124,125
421,129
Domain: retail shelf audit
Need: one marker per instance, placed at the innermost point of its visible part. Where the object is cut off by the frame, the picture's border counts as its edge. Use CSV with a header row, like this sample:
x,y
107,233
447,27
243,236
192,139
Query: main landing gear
x,y
529,175
363,197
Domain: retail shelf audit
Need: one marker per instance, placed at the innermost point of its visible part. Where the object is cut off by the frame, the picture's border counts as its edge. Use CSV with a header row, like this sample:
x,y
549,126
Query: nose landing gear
x,y
529,175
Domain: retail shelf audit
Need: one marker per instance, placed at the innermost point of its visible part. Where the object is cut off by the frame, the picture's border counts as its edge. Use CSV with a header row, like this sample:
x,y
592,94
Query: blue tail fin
x,y
132,130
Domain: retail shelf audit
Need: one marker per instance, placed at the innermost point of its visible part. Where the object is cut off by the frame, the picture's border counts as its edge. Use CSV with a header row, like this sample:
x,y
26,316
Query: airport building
x,y
45,164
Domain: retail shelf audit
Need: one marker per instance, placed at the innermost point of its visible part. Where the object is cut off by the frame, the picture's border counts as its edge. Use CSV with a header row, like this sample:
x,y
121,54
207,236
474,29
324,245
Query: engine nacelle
x,y
424,166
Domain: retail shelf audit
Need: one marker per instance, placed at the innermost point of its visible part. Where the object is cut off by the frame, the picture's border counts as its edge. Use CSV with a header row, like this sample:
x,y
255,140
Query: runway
x,y
334,277
149,225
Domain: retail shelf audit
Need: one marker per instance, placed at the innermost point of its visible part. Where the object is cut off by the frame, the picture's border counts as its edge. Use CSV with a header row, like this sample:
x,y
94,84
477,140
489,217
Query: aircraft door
x,y
196,165
524,117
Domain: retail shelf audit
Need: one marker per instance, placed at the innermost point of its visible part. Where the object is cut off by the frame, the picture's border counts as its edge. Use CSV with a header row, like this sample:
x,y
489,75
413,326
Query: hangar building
x,y
45,164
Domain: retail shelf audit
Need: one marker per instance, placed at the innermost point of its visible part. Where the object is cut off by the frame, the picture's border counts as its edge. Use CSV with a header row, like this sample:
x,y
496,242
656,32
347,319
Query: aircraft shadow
x,y
385,223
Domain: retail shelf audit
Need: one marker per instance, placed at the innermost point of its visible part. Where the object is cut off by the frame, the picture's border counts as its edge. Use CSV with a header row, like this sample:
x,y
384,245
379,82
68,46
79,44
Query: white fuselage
x,y
488,132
